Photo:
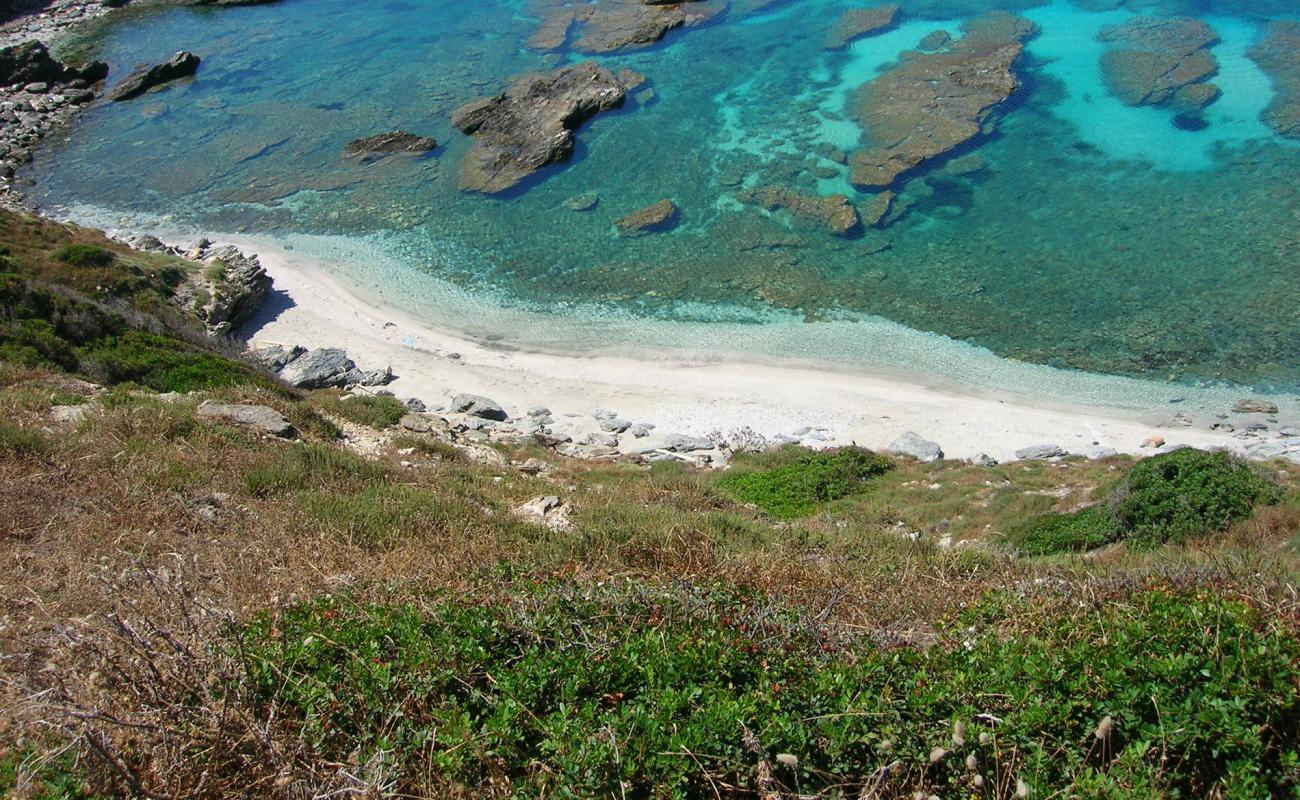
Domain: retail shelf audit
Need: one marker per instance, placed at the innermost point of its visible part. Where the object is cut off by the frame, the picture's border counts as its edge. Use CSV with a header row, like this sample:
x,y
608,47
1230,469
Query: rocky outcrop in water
x,y
1161,62
856,23
372,148
1278,54
661,216
604,26
142,79
834,214
228,291
532,124
931,103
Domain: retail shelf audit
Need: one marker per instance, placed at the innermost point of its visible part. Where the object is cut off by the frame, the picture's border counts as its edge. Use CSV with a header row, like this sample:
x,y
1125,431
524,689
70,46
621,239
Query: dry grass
x,y
142,488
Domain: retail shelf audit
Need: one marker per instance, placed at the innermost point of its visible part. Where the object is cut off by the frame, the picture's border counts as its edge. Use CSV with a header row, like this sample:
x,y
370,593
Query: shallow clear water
x,y
1097,236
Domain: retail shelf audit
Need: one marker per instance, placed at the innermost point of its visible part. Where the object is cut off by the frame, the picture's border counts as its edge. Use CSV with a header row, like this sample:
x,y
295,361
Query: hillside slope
x,y
326,595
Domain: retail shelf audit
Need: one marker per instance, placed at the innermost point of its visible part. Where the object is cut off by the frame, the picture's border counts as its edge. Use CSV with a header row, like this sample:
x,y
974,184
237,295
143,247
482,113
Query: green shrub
x,y
1082,530
576,692
162,363
1164,498
21,441
85,255
374,411
36,343
797,488
1188,492
312,466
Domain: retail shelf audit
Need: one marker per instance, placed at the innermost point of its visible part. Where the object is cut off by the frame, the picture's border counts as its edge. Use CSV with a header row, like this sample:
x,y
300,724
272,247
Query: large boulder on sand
x,y
912,445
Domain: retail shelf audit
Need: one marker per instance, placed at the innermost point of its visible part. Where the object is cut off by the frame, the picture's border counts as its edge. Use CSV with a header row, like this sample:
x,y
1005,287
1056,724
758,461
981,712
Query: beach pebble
x,y
641,430
1099,452
539,411
417,405
615,425
602,413
911,444
1154,441
1288,430
984,460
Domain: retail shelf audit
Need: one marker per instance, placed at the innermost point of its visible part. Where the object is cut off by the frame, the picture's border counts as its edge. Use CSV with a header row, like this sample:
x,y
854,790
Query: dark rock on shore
x,y
605,26
477,406
385,144
531,125
1161,62
142,79
834,214
661,216
39,95
933,102
859,22
1278,54
31,62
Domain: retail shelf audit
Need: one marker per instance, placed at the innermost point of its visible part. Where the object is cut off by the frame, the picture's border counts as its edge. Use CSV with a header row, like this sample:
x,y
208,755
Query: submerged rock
x,y
142,79
385,144
604,26
836,214
661,216
933,102
531,125
859,22
1161,61
582,202
1253,406
1278,54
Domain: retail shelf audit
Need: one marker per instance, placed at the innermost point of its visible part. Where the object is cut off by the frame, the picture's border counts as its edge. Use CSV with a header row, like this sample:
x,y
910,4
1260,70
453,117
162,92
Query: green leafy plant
x,y
591,693
797,488
85,255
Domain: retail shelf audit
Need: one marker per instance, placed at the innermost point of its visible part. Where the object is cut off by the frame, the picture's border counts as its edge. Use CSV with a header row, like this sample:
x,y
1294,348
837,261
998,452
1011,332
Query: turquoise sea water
x,y
1095,236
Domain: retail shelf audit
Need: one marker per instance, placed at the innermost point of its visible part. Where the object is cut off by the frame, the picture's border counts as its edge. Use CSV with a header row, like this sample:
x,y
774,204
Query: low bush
x,y
797,488
1080,531
21,441
1166,498
655,693
162,363
374,411
313,466
1188,492
85,255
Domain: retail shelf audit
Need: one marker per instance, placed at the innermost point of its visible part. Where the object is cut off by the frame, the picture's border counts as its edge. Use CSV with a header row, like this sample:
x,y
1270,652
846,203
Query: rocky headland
x,y
933,103
533,124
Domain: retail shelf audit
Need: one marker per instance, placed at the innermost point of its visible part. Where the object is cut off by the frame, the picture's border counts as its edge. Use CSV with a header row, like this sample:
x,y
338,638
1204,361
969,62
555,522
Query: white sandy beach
x,y
684,392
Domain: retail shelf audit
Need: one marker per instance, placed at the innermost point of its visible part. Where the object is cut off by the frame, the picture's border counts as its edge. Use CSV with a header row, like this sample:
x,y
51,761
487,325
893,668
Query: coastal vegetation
x,y
195,608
